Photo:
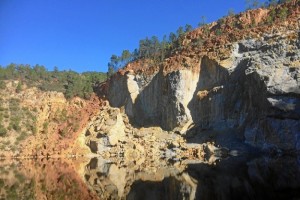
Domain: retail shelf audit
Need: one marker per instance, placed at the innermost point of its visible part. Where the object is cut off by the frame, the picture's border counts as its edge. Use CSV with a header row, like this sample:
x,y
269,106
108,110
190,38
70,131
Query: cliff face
x,y
37,123
252,86
161,101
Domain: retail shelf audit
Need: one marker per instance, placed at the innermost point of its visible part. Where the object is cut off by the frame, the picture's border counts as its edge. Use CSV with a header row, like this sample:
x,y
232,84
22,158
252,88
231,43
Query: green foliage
x,y
252,4
21,137
202,22
3,131
45,125
19,87
21,178
150,48
231,12
218,32
14,124
188,28
271,16
2,184
62,115
272,3
14,105
197,42
157,50
69,82
283,13
2,85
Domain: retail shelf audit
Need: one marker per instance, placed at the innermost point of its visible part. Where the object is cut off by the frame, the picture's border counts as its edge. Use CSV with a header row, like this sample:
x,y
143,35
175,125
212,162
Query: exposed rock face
x,y
161,101
270,90
255,90
48,123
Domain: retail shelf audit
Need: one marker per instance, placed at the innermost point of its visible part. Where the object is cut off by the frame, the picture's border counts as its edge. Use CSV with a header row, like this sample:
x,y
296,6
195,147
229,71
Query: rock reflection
x,y
231,178
96,178
112,181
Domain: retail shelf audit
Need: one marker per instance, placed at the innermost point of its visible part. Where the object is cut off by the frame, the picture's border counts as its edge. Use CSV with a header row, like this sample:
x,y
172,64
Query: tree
x,y
144,48
202,21
172,37
164,48
115,62
188,28
252,4
272,2
126,55
230,12
135,54
110,70
180,31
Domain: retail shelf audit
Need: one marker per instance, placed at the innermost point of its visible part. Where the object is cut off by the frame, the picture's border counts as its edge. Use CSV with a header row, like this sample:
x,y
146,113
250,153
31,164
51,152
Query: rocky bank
x,y
248,82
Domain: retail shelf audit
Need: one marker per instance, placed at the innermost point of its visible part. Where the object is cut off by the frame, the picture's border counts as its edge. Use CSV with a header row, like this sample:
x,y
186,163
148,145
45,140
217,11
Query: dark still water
x,y
231,178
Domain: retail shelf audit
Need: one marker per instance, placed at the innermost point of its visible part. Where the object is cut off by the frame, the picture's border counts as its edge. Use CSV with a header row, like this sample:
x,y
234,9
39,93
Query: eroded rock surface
x,y
255,89
111,136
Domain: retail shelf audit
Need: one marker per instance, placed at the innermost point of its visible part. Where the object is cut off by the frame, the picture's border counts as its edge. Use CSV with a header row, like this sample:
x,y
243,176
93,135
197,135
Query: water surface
x,y
231,178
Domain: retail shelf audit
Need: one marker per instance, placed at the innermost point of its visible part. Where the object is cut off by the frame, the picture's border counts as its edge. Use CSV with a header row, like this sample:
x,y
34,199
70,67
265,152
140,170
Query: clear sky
x,y
82,34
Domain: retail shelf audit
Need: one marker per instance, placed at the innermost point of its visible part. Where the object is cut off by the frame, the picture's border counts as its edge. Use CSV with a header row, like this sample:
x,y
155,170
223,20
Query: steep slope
x,y
246,78
37,123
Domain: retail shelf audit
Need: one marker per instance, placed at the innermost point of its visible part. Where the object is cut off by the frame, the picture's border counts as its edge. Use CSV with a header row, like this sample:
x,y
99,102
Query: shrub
x,y
283,13
21,137
3,131
218,32
271,16
45,127
16,127
19,87
2,85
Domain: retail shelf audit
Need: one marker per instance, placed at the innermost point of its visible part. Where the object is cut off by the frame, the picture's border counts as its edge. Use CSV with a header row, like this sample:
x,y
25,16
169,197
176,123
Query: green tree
x,y
2,85
271,3
188,28
19,87
202,21
110,70
283,13
231,12
126,56
252,4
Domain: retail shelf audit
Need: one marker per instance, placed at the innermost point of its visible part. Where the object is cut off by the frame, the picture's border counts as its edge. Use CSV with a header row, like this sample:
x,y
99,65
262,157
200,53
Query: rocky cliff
x,y
42,124
246,79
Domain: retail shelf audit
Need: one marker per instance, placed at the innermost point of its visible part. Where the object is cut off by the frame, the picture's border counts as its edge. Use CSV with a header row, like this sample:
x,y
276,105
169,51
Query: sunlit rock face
x,y
255,90
156,99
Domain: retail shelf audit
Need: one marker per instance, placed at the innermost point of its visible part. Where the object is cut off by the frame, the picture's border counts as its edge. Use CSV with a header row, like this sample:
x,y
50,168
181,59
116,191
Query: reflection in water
x,y
261,178
231,178
164,180
42,179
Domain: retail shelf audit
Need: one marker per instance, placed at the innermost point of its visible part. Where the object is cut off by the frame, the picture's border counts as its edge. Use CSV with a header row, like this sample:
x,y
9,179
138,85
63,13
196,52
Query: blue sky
x,y
82,34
